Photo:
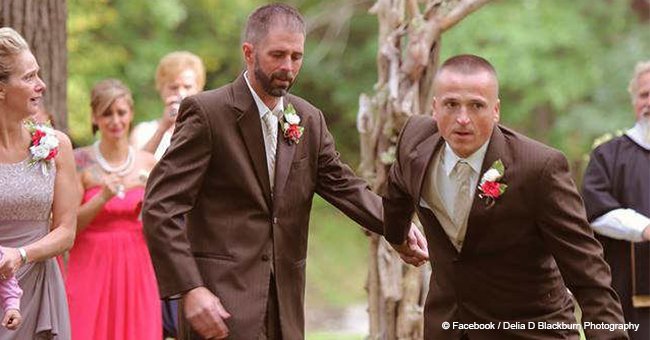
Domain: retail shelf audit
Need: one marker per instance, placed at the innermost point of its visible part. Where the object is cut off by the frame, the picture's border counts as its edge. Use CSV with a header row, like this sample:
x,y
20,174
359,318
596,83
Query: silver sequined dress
x,y
25,204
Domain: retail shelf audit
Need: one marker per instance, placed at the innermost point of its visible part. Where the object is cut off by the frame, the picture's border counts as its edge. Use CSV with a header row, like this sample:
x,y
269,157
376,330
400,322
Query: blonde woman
x,y
110,282
36,172
179,74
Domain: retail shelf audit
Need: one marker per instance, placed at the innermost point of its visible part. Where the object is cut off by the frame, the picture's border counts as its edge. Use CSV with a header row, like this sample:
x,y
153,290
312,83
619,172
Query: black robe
x,y
618,176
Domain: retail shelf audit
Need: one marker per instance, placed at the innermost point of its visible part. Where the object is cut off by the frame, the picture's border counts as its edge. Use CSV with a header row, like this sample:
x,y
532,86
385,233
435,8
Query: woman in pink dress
x,y
110,282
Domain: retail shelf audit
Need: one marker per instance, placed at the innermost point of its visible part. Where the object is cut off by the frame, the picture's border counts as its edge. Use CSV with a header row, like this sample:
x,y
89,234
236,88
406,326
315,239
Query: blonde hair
x,y
11,44
175,63
105,93
640,69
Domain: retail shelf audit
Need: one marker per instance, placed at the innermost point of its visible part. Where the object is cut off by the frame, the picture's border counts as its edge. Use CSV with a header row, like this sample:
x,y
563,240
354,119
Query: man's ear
x,y
497,111
247,50
433,109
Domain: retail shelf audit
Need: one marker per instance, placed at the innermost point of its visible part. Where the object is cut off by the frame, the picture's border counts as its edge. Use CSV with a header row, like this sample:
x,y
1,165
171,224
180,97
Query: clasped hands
x,y
414,250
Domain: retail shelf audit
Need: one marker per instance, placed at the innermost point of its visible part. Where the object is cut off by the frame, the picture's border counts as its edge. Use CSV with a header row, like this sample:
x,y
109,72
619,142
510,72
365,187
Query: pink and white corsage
x,y
489,187
44,146
291,129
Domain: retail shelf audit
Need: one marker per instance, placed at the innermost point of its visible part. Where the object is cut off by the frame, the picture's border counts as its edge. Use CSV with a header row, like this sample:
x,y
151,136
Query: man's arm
x,y
171,191
607,215
398,203
566,233
338,184
623,224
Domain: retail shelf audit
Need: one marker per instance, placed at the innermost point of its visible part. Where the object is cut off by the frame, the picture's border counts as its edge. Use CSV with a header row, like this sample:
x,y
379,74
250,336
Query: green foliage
x,y
125,39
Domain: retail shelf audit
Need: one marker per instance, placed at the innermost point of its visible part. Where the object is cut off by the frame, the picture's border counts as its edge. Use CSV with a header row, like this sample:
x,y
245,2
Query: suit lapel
x,y
422,158
479,221
250,127
284,158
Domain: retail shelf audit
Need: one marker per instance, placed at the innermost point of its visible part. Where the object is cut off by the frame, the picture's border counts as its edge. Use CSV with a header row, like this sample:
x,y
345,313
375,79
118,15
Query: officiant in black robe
x,y
616,191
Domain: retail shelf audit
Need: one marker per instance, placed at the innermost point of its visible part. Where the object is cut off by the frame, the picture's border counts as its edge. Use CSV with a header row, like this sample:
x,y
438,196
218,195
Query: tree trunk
x,y
642,9
43,24
409,42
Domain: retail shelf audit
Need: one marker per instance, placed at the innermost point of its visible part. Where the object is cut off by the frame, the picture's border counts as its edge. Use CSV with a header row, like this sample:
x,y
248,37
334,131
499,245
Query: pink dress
x,y
110,282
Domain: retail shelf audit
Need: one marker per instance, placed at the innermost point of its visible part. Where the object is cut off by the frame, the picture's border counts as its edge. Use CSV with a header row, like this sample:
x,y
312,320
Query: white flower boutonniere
x,y
44,146
291,129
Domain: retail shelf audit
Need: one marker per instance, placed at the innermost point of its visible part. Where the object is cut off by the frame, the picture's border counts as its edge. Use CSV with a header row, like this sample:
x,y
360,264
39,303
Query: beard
x,y
644,121
266,81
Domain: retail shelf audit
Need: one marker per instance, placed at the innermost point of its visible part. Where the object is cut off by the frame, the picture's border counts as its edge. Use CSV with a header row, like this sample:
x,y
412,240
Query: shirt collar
x,y
636,133
261,107
475,160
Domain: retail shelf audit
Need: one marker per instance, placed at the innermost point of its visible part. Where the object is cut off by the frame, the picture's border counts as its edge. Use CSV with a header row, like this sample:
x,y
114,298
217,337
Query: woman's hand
x,y
172,103
112,186
10,262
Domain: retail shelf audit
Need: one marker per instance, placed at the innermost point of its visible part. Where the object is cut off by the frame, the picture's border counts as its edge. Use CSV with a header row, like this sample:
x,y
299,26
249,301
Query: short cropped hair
x,y
263,18
468,64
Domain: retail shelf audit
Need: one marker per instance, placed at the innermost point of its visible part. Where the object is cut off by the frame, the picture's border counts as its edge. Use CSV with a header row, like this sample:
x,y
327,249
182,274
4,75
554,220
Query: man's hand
x,y
205,313
414,250
646,233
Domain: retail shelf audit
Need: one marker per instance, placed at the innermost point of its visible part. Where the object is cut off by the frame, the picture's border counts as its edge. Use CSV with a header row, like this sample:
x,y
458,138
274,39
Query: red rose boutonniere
x,y
44,146
291,128
489,187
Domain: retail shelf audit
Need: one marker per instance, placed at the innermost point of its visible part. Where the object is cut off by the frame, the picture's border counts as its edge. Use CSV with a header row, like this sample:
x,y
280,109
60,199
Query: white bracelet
x,y
23,254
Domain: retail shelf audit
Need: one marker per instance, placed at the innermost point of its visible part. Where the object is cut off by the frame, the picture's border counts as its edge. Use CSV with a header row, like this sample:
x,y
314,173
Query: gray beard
x,y
644,122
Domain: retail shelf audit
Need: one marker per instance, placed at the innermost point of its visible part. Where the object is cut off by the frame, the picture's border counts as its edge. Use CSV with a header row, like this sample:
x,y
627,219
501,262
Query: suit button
x,y
275,220
265,257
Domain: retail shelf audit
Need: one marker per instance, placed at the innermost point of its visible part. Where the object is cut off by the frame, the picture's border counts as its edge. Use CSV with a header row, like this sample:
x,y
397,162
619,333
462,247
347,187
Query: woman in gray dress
x,y
38,199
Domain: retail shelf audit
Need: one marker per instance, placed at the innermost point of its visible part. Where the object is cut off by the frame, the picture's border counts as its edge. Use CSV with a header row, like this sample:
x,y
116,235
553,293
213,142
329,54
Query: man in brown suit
x,y
227,208
505,243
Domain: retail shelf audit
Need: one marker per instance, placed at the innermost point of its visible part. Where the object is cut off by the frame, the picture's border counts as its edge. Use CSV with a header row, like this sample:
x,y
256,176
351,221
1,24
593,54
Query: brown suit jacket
x,y
519,255
210,219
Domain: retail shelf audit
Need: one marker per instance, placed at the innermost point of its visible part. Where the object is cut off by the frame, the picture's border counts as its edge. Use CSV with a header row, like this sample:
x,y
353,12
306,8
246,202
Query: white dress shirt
x,y
263,109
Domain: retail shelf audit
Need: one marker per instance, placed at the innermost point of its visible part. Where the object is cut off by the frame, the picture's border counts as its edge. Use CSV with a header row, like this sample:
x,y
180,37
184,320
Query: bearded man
x,y
616,190
227,208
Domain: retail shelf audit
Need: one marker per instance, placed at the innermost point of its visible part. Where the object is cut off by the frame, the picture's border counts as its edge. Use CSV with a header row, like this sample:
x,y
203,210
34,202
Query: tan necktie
x,y
271,140
462,202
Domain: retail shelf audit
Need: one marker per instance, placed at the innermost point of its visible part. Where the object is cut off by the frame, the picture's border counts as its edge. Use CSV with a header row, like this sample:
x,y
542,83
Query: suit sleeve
x,y
171,192
398,204
338,185
579,256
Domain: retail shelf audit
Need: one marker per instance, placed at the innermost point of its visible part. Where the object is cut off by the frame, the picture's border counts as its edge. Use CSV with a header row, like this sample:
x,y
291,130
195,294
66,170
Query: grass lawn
x,y
337,262
337,266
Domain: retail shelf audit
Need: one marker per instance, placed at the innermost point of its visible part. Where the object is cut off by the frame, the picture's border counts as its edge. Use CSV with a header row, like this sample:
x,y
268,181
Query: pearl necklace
x,y
120,170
